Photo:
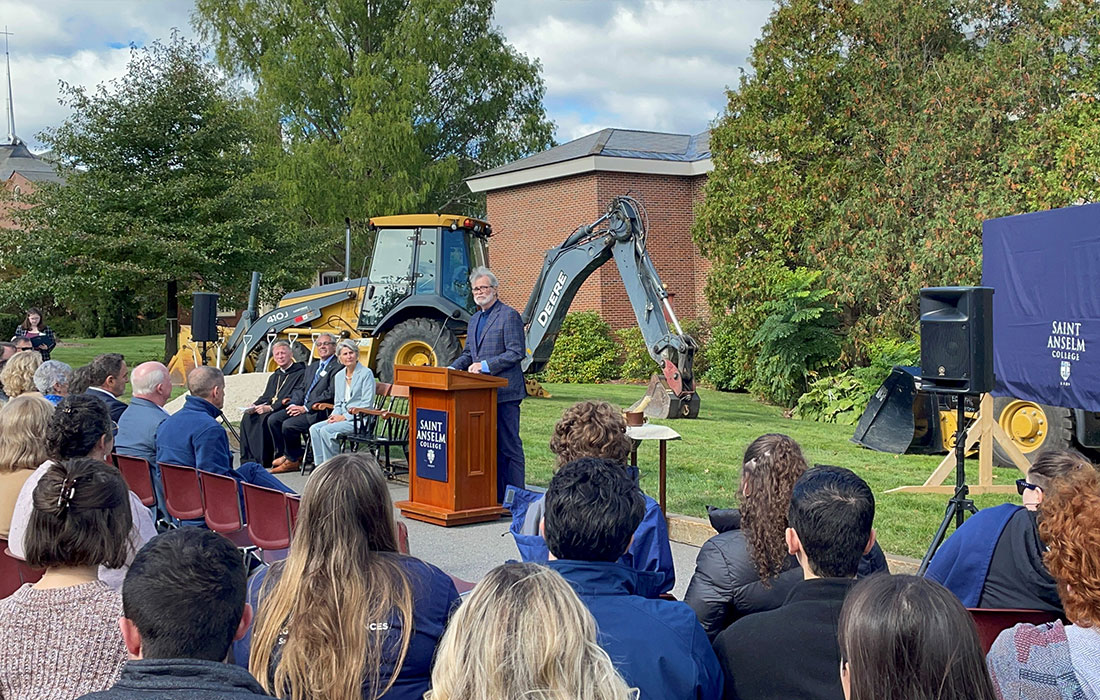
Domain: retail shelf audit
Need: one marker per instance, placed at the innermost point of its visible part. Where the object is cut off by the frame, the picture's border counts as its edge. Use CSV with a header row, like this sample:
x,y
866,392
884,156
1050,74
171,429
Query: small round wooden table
x,y
662,434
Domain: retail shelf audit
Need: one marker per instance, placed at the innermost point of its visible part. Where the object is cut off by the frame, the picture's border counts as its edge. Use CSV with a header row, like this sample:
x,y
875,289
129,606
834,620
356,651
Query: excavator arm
x,y
620,234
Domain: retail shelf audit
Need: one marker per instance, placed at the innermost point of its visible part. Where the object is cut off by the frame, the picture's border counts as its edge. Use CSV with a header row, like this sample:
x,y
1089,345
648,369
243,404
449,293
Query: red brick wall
x,y
529,219
8,206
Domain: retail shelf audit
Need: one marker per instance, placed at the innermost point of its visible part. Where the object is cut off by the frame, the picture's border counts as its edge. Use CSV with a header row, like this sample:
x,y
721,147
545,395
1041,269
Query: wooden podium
x,y
452,445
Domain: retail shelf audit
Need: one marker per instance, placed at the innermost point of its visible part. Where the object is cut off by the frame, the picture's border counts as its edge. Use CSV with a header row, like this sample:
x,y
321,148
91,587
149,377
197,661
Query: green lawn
x,y
703,467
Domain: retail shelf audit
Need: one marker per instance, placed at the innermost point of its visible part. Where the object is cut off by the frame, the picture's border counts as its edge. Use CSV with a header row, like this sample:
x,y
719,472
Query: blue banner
x,y
431,444
1044,268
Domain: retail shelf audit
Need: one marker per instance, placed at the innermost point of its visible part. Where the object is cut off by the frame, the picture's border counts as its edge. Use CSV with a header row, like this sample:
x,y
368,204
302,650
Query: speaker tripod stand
x,y
959,504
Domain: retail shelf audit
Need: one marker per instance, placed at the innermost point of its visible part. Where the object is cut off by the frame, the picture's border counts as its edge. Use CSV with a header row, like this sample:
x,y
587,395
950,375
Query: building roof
x,y
17,158
617,150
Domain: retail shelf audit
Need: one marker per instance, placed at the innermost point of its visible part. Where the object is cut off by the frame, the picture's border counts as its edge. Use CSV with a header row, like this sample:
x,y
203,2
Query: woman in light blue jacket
x,y
354,388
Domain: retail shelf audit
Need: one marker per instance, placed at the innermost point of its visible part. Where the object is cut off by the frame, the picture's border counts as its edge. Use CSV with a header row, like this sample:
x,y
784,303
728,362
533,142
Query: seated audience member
x,y
523,633
791,652
285,386
908,638
183,604
1056,660
81,380
22,344
23,422
353,387
107,381
995,559
79,427
59,637
594,429
52,380
592,507
137,428
7,350
746,567
18,374
192,437
296,421
34,329
345,594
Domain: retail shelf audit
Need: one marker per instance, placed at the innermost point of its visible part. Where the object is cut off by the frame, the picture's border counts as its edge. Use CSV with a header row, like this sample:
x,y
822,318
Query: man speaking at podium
x,y
494,345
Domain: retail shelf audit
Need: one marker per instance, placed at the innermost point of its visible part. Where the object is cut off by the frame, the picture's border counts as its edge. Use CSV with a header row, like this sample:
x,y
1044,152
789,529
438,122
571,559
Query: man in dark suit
x,y
494,345
296,420
108,376
792,651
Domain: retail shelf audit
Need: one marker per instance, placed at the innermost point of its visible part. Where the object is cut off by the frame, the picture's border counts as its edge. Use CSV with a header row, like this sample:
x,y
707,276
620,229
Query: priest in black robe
x,y
285,387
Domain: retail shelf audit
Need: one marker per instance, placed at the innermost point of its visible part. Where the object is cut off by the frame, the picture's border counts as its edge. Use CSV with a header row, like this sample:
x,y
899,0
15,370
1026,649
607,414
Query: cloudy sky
x,y
640,64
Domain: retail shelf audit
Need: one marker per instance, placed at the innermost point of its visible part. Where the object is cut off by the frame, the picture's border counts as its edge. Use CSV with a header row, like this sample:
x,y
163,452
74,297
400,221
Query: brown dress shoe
x,y
278,461
286,466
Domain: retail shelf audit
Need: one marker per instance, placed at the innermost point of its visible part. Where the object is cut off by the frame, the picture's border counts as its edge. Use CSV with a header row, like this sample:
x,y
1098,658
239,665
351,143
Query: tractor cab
x,y
416,297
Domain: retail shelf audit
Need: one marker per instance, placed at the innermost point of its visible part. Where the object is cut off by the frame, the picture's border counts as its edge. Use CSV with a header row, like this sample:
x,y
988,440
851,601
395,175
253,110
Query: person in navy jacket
x,y
592,509
192,437
494,345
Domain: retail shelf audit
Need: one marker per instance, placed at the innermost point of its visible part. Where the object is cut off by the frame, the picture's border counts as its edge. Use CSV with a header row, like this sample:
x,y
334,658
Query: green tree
x,y
871,139
382,107
159,198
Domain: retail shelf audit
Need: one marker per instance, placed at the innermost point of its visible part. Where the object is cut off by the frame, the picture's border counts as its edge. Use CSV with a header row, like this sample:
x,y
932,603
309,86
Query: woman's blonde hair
x,y
23,424
342,577
18,375
524,634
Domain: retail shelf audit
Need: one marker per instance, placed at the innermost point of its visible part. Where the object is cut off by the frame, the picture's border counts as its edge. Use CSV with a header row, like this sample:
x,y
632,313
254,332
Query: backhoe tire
x,y
417,341
1034,427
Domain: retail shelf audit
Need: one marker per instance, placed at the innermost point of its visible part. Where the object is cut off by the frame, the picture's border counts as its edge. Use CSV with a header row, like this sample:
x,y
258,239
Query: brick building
x,y
20,171
534,203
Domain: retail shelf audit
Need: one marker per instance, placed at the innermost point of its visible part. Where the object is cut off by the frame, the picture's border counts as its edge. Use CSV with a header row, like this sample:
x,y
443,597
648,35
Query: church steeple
x,y
12,138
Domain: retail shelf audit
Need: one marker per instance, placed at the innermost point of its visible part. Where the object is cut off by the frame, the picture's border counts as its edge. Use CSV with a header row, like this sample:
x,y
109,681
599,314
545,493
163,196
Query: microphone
x,y
443,326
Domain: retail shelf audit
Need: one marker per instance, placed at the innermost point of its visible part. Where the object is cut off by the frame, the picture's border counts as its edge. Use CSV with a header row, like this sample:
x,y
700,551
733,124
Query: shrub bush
x,y
838,398
797,338
636,364
585,352
721,354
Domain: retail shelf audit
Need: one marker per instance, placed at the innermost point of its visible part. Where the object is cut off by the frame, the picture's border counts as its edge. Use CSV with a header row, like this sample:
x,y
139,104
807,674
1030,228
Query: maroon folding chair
x,y
182,492
293,504
138,476
402,538
222,508
992,621
267,520
10,580
14,572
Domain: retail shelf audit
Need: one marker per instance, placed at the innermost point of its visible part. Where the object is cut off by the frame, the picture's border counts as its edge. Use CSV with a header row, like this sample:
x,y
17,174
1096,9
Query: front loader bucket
x,y
660,402
887,424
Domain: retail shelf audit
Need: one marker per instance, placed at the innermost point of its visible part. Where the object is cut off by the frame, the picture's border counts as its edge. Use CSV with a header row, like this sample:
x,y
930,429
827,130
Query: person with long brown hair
x,y
909,638
595,429
746,567
346,616
59,637
1054,660
524,633
34,329
23,422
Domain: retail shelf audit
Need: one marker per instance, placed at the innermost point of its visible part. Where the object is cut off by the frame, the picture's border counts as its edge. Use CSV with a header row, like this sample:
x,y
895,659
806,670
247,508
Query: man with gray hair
x,y
285,387
137,428
494,345
296,421
192,437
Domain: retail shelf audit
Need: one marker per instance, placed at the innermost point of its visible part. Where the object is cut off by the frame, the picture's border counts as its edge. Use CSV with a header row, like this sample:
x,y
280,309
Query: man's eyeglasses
x,y
325,342
482,289
1023,485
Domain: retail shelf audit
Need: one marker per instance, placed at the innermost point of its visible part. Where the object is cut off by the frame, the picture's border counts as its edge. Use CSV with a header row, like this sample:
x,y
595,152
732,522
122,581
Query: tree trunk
x,y
172,318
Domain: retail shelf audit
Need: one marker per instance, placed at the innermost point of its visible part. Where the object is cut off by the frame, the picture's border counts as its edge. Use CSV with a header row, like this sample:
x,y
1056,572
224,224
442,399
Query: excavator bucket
x,y
661,402
900,417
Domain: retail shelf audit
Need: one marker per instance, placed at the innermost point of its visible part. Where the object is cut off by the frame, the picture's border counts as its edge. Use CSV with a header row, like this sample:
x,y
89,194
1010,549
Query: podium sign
x,y
452,445
431,444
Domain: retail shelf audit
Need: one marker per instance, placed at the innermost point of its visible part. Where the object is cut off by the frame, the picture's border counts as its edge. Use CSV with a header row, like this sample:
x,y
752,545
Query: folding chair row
x,y
382,427
269,515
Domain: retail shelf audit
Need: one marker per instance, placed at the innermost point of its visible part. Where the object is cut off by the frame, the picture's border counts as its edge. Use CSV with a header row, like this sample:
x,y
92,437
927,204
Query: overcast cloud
x,y
637,64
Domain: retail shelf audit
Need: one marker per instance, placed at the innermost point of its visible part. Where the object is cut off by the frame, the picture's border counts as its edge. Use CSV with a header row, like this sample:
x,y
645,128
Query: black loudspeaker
x,y
956,339
204,317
